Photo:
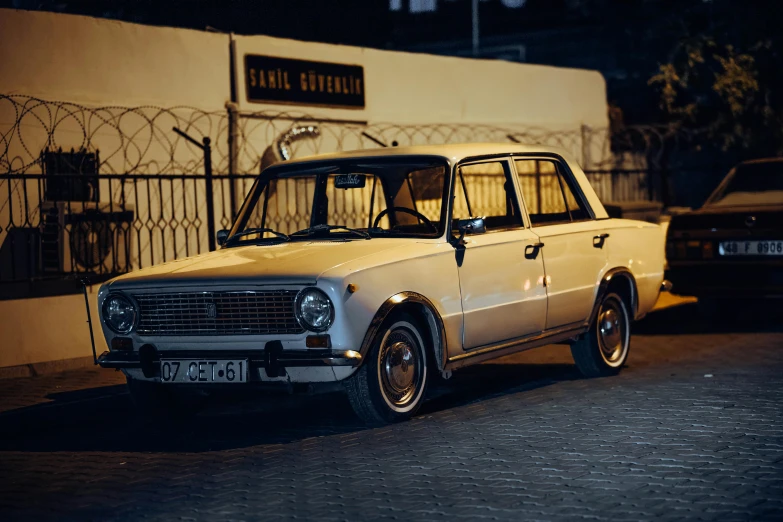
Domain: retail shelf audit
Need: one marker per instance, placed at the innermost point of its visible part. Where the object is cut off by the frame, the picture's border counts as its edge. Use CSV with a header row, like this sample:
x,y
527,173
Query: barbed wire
x,y
139,148
140,139
130,139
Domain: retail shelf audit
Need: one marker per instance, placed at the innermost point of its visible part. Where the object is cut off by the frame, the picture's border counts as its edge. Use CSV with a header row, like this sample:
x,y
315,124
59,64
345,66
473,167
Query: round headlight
x,y
119,313
314,310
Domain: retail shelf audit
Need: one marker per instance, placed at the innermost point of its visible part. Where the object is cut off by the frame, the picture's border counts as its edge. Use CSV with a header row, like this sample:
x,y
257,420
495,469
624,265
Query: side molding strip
x,y
519,344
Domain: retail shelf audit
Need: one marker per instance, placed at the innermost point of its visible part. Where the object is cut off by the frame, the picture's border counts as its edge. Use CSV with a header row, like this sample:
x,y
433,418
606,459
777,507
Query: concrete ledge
x,y
43,368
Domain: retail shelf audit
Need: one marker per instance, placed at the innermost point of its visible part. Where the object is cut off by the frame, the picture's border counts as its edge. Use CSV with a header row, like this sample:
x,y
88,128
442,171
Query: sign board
x,y
346,181
271,79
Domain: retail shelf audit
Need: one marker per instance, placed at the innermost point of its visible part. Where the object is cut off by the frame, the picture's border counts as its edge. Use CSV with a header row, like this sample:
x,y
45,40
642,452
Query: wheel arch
x,y
422,309
621,281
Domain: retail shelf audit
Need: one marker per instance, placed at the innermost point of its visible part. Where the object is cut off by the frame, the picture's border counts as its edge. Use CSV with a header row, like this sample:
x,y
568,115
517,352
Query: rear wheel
x,y
389,386
604,349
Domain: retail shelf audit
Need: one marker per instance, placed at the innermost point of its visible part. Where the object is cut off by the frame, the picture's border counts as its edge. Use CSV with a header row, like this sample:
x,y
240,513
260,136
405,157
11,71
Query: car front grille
x,y
218,313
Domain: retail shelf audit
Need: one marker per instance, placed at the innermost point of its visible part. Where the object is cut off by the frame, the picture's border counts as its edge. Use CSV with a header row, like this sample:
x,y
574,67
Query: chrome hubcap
x,y
400,367
611,331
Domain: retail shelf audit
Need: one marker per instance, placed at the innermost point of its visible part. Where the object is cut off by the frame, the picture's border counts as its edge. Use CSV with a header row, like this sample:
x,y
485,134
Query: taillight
x,y
706,250
689,249
681,249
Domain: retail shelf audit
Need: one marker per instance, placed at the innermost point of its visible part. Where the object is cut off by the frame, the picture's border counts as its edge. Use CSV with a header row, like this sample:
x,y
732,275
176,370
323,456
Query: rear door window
x,y
549,192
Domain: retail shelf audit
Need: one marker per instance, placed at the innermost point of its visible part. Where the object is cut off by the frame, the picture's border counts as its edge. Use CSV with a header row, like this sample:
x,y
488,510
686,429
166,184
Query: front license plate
x,y
751,248
203,371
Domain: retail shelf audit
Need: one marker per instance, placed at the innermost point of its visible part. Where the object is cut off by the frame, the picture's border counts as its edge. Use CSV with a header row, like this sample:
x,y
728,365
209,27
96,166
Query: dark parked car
x,y
732,247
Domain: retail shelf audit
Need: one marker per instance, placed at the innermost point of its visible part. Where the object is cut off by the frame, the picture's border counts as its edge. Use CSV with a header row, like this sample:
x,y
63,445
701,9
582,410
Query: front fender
x,y
422,306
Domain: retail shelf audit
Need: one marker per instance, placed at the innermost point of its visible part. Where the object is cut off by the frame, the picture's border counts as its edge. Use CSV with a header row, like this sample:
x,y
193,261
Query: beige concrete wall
x,y
419,88
98,63
544,104
104,62
47,329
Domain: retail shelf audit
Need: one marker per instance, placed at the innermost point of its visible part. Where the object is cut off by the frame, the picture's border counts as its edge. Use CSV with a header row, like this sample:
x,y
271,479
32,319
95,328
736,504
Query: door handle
x,y
531,251
598,241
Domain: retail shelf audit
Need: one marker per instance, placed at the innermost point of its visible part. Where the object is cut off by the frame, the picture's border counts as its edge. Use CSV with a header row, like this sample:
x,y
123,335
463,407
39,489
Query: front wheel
x,y
604,349
389,386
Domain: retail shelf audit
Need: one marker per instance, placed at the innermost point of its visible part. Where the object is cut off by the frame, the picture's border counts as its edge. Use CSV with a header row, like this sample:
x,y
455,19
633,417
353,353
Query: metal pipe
x,y
280,149
187,137
209,194
373,139
89,321
233,152
300,119
475,13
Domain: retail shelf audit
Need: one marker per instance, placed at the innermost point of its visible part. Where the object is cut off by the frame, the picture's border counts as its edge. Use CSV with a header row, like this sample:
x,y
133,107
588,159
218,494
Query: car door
x,y
502,291
573,254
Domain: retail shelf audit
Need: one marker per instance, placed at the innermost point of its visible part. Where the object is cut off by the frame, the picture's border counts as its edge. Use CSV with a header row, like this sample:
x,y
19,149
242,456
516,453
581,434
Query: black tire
x,y
158,401
389,386
604,349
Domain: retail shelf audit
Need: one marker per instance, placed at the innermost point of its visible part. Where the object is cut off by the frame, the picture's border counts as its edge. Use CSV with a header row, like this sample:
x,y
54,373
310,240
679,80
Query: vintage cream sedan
x,y
383,269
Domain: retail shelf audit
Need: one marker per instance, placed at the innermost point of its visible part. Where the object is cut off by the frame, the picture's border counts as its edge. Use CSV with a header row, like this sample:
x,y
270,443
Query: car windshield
x,y
751,184
354,199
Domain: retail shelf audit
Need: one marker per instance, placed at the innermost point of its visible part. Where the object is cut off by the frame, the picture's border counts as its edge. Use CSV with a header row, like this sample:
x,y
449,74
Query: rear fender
x,y
618,275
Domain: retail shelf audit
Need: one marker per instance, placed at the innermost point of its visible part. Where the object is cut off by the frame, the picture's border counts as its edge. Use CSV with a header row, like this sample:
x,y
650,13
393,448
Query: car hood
x,y
292,262
724,217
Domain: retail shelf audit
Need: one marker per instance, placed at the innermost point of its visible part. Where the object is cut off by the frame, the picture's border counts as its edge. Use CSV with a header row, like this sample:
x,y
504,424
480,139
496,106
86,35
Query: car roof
x,y
454,152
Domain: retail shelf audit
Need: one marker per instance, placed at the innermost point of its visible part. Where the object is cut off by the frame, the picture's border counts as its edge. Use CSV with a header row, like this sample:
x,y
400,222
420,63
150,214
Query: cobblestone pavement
x,y
691,429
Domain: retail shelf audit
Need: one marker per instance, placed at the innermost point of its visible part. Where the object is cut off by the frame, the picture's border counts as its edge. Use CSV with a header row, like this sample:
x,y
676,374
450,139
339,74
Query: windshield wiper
x,y
311,231
250,231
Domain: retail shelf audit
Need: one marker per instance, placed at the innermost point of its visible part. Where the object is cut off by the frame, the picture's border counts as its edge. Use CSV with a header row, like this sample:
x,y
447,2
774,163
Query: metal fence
x,y
100,191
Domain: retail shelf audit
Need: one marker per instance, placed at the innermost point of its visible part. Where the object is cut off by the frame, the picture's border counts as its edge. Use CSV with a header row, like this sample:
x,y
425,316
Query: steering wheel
x,y
404,210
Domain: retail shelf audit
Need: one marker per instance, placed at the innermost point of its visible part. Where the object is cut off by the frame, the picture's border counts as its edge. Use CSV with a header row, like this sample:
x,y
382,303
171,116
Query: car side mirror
x,y
473,225
222,236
